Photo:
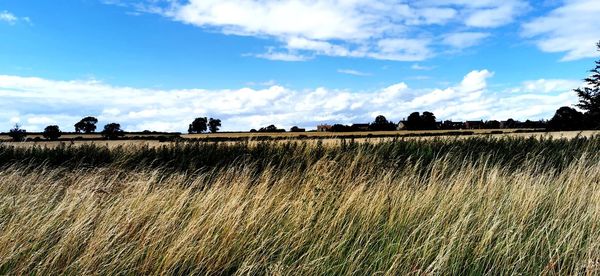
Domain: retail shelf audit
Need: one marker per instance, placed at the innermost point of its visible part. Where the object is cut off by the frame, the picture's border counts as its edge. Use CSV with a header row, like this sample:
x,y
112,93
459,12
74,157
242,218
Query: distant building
x,y
323,128
474,124
449,125
401,125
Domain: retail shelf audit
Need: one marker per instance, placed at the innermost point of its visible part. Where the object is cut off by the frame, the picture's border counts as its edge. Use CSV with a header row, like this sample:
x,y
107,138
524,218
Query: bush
x,y
17,134
52,132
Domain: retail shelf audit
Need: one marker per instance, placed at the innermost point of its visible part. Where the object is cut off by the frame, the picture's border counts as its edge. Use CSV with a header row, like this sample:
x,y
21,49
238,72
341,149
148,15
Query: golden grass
x,y
348,216
336,134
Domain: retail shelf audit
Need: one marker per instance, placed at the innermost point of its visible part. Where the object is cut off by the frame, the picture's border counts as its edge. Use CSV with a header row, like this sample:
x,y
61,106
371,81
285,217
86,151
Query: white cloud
x,y
573,29
464,39
379,29
548,86
282,56
496,16
353,72
403,49
8,17
36,102
11,19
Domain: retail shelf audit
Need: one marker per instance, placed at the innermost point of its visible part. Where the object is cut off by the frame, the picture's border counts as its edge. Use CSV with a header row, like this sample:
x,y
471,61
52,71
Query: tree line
x,y
565,118
111,131
86,125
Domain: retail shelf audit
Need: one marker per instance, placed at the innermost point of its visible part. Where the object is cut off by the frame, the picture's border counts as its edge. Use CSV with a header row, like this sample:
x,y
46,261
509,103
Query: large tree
x,y
112,131
382,124
214,125
589,96
428,121
199,125
567,118
414,122
86,125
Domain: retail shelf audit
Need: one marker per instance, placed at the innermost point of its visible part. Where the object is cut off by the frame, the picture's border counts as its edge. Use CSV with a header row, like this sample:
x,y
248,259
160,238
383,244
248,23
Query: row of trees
x,y
427,121
111,131
53,132
415,121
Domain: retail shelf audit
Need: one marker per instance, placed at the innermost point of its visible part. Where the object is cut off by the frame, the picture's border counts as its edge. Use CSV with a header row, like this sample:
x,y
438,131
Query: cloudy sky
x,y
157,64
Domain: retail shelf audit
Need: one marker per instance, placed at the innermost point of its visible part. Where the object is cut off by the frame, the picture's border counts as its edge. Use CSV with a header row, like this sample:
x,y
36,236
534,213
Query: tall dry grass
x,y
346,215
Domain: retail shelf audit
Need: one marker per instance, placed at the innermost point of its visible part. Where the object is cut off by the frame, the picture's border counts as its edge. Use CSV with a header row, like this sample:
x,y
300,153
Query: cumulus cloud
x,y
36,102
573,29
379,29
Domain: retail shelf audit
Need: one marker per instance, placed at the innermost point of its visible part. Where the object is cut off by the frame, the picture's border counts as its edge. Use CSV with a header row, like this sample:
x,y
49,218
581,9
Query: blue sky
x,y
158,64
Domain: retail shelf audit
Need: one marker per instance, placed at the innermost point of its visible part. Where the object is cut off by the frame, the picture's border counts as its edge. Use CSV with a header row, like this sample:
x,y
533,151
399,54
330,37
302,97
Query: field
x,y
282,135
325,137
503,204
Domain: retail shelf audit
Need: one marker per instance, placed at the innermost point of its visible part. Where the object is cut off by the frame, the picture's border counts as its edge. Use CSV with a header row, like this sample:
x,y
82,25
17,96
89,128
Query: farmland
x,y
327,137
501,204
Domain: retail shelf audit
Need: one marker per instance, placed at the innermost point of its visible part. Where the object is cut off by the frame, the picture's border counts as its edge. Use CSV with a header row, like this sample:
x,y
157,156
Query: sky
x,y
158,64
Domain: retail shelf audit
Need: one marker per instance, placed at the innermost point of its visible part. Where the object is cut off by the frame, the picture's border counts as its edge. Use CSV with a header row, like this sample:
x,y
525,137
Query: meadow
x,y
475,205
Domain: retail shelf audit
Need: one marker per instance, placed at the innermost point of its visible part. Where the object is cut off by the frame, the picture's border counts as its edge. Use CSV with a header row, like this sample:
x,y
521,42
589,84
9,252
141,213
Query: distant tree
x,y
510,123
199,125
382,124
567,118
253,130
340,128
492,124
112,131
589,96
214,125
448,124
414,122
296,129
52,132
17,134
428,121
271,128
86,125
535,124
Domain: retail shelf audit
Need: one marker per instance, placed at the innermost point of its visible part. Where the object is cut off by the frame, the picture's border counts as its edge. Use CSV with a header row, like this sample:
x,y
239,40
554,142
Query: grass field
x,y
478,205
